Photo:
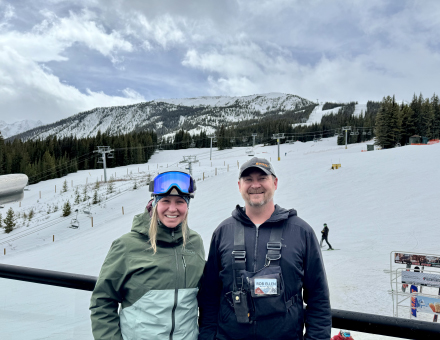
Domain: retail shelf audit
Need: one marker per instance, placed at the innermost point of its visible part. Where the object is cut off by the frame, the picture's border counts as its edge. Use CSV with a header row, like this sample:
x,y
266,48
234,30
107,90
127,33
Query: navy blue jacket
x,y
303,273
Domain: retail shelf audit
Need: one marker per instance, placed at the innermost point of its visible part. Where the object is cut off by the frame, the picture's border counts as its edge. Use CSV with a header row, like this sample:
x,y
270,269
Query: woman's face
x,y
172,210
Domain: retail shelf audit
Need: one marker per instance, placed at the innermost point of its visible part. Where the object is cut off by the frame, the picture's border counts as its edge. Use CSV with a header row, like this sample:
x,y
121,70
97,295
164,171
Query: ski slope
x,y
377,202
317,113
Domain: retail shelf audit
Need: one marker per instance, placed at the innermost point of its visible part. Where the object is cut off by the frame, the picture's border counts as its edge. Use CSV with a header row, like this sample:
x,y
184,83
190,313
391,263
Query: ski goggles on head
x,y
345,334
164,182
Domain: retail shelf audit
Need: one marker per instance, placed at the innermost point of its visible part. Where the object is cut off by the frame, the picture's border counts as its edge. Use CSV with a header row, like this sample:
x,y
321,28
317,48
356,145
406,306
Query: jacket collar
x,y
279,214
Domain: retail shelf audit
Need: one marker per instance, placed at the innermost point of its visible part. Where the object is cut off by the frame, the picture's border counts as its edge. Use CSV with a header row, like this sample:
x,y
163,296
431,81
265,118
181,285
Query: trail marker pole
x,y
122,210
53,238
92,220
40,194
55,188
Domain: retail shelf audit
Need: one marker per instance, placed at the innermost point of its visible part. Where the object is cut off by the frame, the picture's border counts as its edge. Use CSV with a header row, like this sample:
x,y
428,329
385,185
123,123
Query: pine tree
x,y
65,187
66,209
1,222
9,221
96,187
436,122
408,124
110,186
31,214
85,197
426,119
135,186
77,196
95,197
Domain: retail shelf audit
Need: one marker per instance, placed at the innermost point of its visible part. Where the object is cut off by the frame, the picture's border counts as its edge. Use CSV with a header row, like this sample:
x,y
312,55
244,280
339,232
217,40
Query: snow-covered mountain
x,y
169,115
8,130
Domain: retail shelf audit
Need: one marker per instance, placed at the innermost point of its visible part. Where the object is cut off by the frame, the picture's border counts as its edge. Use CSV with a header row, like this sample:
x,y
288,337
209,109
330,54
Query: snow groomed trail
x,y
377,202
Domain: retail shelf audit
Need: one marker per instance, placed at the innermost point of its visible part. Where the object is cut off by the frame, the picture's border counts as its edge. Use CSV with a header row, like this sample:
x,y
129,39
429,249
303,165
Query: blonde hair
x,y
154,225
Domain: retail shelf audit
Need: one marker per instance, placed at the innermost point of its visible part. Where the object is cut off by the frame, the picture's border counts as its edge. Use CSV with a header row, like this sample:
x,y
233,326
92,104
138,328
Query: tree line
x,y
51,157
396,123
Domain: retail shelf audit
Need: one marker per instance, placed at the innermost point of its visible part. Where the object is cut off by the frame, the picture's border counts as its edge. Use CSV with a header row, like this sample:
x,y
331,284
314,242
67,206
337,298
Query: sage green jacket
x,y
157,293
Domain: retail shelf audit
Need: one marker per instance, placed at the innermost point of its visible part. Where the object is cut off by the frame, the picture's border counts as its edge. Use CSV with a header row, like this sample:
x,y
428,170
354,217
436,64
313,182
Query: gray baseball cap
x,y
259,163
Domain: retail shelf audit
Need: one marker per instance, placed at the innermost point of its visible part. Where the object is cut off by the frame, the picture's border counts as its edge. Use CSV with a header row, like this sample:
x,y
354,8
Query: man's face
x,y
257,188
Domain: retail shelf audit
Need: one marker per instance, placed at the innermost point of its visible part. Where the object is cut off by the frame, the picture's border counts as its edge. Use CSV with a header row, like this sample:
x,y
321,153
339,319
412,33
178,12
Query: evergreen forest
x,y
389,123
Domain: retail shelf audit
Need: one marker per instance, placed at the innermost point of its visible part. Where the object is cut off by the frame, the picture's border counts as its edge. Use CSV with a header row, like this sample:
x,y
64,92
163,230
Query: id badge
x,y
265,286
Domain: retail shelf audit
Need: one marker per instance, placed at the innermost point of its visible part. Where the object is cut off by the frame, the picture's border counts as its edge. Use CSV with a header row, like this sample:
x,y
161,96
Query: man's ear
x,y
275,182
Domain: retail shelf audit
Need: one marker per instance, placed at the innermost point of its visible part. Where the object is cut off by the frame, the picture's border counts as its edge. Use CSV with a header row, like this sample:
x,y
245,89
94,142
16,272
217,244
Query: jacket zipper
x,y
255,269
255,252
184,269
176,292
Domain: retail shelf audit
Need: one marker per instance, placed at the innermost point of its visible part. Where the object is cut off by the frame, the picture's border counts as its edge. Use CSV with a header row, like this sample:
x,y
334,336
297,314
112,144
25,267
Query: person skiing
x,y
151,275
264,263
342,335
324,233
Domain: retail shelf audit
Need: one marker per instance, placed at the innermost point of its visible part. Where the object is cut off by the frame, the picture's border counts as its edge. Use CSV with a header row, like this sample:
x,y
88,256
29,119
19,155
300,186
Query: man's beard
x,y
258,204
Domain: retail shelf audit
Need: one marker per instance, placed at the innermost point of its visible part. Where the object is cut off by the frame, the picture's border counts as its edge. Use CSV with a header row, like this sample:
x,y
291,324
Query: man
x,y
263,262
324,233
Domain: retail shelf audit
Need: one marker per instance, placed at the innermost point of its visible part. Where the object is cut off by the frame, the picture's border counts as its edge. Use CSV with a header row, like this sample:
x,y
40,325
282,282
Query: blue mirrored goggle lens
x,y
164,182
346,334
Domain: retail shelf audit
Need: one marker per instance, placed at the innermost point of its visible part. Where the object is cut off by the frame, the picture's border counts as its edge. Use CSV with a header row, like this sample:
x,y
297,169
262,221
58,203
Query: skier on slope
x,y
324,233
342,335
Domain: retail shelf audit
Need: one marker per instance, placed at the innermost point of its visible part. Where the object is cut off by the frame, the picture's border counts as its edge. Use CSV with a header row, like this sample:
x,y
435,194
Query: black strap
x,y
273,254
274,245
239,256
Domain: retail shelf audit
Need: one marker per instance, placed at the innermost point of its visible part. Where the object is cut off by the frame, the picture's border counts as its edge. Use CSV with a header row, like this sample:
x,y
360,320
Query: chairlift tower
x,y
278,136
346,128
210,151
253,141
189,160
104,150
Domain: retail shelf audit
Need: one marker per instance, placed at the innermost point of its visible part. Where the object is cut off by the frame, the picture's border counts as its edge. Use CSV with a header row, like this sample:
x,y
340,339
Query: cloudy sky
x,y
58,58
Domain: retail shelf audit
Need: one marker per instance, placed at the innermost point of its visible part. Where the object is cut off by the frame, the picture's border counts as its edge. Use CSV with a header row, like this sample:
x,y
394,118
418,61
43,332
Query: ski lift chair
x,y
100,160
74,223
336,134
364,133
369,133
87,210
356,133
351,133
232,140
110,155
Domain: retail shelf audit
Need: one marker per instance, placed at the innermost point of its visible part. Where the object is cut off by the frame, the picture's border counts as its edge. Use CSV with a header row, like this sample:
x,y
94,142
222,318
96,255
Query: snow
x,y
377,202
317,113
9,130
259,102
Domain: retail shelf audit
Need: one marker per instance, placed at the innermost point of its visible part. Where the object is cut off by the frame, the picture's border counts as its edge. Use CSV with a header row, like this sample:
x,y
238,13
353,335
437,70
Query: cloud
x,y
331,50
27,91
50,38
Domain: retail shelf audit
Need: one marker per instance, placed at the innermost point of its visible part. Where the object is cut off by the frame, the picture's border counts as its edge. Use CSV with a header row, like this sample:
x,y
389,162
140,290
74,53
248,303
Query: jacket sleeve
x,y
107,295
316,293
209,294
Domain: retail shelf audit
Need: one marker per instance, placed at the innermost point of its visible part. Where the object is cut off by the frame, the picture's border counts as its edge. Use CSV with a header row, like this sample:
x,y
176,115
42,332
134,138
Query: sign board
x,y
417,260
421,279
425,304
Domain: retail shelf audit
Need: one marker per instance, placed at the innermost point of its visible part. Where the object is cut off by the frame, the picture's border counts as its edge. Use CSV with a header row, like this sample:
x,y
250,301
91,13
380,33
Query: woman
x,y
153,272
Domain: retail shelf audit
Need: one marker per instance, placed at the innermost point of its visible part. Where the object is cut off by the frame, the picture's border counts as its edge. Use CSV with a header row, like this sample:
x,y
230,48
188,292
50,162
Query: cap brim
x,y
267,172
